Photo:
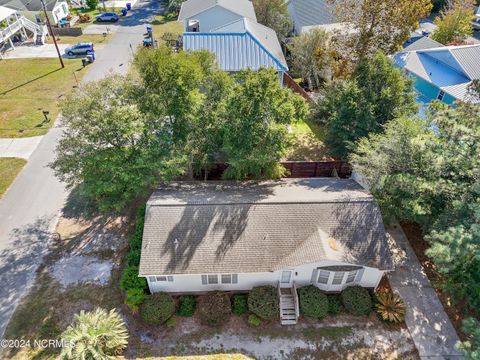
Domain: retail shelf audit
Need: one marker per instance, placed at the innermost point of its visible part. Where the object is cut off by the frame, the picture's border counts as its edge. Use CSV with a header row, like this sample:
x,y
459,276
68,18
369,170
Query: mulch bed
x,y
456,312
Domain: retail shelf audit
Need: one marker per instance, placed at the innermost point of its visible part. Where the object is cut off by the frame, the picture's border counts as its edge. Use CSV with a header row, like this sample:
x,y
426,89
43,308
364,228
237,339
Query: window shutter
x,y
204,279
234,278
313,280
359,275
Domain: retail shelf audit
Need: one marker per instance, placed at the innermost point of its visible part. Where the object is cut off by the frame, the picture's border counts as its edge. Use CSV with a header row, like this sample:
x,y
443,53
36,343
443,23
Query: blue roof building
x,y
240,45
443,73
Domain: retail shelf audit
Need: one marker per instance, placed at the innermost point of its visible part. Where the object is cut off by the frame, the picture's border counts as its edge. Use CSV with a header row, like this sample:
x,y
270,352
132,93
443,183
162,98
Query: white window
x,y
441,95
351,276
323,276
229,278
160,278
212,279
338,277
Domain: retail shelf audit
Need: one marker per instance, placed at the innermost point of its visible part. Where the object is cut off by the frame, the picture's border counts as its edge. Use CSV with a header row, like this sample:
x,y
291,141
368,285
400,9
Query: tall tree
x,y
376,93
312,57
453,24
378,24
274,14
255,127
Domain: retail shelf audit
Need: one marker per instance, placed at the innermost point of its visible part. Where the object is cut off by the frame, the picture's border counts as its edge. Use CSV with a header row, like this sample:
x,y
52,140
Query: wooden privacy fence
x,y
295,169
291,84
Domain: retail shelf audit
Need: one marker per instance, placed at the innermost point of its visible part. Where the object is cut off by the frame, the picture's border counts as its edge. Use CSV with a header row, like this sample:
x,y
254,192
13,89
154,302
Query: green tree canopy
x,y
453,24
274,14
376,93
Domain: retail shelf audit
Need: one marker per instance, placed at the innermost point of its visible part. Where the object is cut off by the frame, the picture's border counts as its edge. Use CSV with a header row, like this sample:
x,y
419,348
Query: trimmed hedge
x,y
157,308
313,302
134,298
239,304
131,280
357,300
263,302
214,308
334,304
136,242
186,305
133,258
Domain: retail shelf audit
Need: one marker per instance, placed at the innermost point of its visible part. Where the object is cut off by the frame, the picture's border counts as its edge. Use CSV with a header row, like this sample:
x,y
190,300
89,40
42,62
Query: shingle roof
x,y
28,5
239,45
191,8
307,13
215,227
420,43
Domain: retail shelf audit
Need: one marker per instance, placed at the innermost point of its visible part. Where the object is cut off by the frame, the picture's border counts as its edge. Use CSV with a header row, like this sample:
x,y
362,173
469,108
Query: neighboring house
x,y
308,14
420,42
233,236
443,73
206,15
33,10
239,45
13,24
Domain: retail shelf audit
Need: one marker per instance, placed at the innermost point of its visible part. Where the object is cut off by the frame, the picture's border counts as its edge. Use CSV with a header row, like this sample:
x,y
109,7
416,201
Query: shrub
x,y
357,300
390,307
187,305
97,334
134,298
254,320
313,302
157,308
92,4
131,280
263,302
136,242
214,308
239,304
133,258
171,323
334,304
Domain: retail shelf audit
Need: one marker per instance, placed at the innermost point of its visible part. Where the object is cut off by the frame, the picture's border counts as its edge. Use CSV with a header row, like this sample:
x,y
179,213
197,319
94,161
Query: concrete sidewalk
x,y
35,51
432,332
19,147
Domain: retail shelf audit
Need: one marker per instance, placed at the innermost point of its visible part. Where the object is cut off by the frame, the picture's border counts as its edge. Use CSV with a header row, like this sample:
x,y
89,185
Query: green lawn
x,y
308,142
161,26
9,169
30,86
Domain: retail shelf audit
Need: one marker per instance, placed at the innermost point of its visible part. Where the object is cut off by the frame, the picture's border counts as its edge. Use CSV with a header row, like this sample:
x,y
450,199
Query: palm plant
x,y
391,307
95,335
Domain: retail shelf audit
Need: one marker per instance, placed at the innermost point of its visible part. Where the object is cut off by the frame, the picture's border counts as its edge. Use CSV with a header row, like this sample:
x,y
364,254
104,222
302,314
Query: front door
x,y
286,278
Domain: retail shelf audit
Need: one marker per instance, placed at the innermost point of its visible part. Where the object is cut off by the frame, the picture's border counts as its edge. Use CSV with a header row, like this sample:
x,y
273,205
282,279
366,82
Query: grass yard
x,y
9,169
97,39
308,142
30,86
161,26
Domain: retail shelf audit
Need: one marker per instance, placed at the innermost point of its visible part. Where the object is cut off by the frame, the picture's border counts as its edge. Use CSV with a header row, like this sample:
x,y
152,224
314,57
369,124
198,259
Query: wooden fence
x,y
295,169
291,84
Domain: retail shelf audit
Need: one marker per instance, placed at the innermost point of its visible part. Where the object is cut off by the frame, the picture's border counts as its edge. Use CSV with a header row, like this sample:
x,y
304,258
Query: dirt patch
x,y
455,312
81,269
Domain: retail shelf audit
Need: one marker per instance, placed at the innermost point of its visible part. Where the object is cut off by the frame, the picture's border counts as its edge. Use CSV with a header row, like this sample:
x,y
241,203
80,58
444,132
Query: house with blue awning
x,y
443,73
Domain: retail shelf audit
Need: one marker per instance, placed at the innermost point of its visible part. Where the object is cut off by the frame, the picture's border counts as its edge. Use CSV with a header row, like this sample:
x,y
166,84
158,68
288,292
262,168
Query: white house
x,y
33,10
206,15
233,236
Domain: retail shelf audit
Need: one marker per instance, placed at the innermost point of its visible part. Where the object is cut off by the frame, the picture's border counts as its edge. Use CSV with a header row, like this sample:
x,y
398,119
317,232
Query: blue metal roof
x,y
234,51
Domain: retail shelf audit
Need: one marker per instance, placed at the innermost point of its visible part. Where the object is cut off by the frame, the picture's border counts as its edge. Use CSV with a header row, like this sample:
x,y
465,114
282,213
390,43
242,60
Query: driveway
x,y
20,148
432,332
35,51
29,210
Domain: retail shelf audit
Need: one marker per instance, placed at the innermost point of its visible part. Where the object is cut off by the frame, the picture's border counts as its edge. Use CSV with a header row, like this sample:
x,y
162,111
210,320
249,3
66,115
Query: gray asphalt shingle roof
x,y
311,13
421,43
227,227
191,8
28,5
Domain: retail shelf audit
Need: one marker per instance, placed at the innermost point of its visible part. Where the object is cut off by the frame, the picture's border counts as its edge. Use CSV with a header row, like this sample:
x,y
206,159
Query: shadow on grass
x,y
30,81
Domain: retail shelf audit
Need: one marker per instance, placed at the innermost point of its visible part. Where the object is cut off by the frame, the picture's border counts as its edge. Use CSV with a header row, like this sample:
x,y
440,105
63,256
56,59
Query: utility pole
x,y
51,33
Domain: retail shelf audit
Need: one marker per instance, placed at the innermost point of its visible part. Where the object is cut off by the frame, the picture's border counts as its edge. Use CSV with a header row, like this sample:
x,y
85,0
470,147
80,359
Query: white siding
x,y
246,281
60,11
213,18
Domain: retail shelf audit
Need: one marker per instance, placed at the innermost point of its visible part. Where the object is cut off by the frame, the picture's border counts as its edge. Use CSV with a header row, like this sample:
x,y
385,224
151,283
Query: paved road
x,y
432,332
30,208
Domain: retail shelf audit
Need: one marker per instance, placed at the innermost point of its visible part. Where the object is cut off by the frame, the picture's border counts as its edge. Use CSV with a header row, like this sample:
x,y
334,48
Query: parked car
x,y
79,49
108,16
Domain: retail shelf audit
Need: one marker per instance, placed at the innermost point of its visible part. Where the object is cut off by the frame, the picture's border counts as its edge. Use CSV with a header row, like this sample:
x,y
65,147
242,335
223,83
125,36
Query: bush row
x,y
314,303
